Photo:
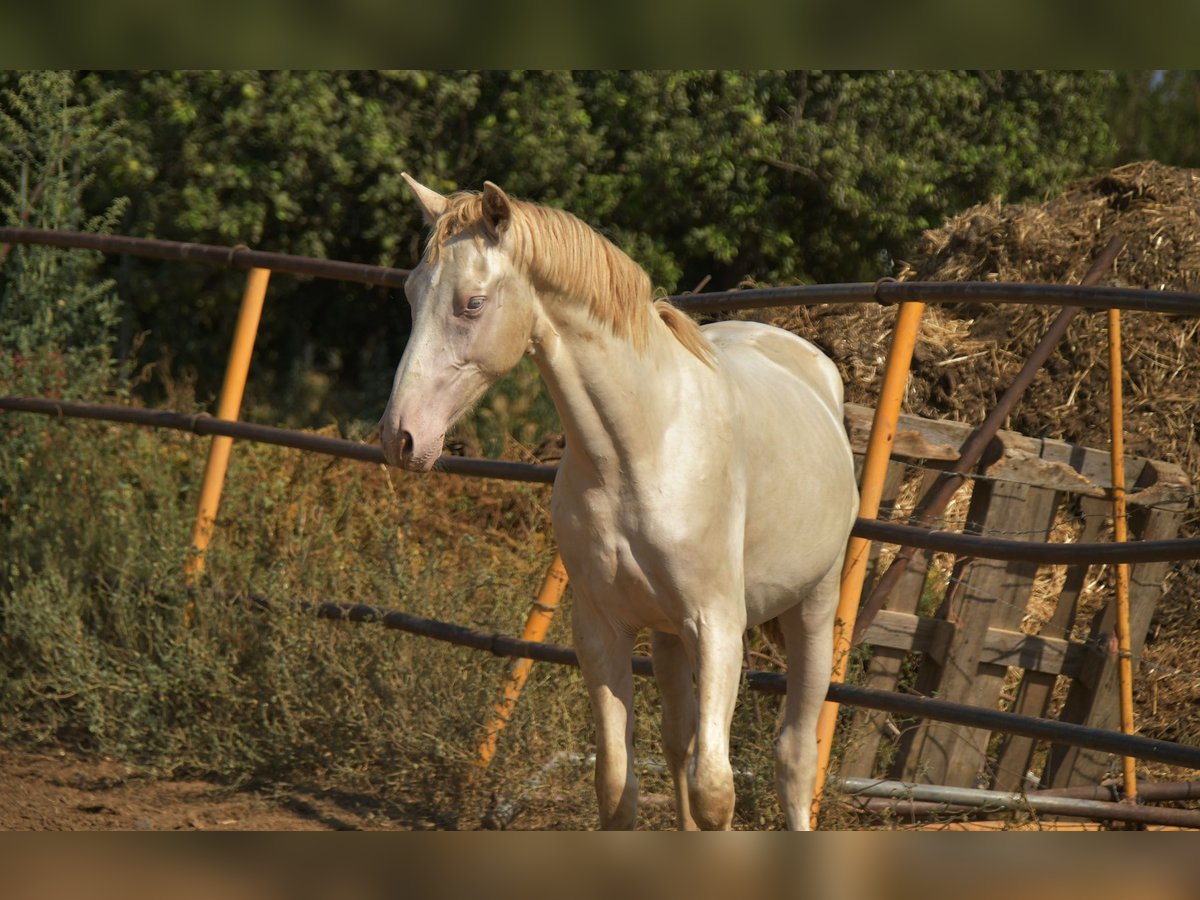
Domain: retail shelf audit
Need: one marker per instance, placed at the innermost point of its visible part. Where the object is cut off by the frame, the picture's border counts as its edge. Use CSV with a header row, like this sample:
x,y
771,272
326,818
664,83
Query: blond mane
x,y
561,253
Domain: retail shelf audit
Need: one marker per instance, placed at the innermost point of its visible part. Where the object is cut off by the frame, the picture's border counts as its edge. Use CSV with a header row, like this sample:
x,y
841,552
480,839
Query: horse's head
x,y
472,313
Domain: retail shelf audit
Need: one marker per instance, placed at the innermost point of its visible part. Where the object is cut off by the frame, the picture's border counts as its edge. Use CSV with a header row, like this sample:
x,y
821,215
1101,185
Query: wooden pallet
x,y
964,646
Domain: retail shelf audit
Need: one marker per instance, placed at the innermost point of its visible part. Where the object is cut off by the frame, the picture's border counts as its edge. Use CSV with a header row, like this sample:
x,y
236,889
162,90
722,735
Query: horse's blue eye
x,y
475,304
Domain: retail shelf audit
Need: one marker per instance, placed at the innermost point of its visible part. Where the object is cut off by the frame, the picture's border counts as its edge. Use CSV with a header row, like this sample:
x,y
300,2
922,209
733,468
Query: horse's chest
x,y
618,561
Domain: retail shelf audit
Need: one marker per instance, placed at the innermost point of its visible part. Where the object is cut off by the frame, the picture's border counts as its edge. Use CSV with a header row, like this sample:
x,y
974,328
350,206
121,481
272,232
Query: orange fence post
x,y
541,613
854,570
1120,535
228,406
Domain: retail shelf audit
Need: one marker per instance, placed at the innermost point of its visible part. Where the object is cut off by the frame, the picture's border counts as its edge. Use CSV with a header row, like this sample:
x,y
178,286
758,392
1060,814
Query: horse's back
x,y
786,350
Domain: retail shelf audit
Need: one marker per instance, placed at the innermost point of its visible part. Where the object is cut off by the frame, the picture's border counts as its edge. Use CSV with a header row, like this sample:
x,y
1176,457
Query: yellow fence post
x,y
854,570
228,406
1120,535
541,613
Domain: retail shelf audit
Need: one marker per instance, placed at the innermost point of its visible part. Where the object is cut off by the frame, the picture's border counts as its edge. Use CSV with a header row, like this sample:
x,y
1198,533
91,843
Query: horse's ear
x,y
432,203
497,208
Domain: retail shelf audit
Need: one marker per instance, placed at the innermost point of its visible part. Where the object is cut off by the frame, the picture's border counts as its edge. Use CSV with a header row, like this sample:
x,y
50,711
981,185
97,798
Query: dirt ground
x,y
60,791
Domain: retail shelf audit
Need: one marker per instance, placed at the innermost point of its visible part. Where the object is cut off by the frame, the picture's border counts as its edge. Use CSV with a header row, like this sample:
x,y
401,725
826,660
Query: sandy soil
x,y
58,791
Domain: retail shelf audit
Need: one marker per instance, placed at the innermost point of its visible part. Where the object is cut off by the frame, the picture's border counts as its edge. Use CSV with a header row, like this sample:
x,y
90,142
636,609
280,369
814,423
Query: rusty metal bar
x,y
1172,302
854,568
775,683
886,532
1173,550
956,797
238,257
973,818
1148,791
977,442
205,424
1133,299
1120,536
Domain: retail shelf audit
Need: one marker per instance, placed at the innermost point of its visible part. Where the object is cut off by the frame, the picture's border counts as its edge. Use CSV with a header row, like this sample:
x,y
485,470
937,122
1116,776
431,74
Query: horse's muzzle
x,y
400,449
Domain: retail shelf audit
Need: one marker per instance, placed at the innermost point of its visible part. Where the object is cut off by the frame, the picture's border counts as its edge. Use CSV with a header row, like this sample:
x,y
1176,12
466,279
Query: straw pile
x,y
968,355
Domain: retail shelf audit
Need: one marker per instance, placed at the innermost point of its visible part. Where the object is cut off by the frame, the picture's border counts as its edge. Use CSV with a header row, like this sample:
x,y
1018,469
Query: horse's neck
x,y
614,399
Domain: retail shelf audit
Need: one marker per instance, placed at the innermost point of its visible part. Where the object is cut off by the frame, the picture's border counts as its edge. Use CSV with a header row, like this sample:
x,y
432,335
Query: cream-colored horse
x,y
707,483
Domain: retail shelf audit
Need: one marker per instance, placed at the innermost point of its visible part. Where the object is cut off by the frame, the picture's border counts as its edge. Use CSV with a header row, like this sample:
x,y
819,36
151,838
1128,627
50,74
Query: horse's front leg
x,y
718,654
604,651
673,672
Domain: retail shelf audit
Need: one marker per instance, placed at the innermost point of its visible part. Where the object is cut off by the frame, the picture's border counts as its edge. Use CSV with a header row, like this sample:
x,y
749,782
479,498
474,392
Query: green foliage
x,y
1156,115
97,653
699,175
57,316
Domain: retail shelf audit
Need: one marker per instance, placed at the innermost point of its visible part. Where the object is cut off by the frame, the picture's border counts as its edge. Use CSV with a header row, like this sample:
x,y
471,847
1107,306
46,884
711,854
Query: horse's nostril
x,y
406,443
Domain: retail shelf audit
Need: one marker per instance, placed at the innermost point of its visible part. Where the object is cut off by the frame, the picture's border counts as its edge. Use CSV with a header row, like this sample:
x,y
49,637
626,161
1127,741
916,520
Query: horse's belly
x,y
796,532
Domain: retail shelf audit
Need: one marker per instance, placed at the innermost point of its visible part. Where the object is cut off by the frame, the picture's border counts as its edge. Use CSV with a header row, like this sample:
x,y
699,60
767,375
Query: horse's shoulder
x,y
789,351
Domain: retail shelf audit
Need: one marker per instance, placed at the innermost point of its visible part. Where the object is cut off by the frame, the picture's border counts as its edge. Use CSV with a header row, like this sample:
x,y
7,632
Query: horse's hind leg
x,y
808,635
604,653
673,672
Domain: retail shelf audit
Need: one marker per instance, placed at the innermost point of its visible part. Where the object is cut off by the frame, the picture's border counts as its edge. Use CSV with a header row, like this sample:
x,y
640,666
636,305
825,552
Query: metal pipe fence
x,y
886,291
885,532
236,257
775,683
940,798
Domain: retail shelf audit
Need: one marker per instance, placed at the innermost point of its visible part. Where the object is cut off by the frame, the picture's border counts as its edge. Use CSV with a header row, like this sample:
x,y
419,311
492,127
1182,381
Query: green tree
x,y
726,176
57,314
817,175
1156,115
305,163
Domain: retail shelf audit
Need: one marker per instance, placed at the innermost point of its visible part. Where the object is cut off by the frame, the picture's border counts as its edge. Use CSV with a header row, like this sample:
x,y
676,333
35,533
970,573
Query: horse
x,y
707,483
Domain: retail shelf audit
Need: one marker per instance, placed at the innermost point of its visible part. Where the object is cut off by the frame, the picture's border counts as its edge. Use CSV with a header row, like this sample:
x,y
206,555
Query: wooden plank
x,y
893,483
970,757
1093,699
869,729
910,633
983,592
916,438
1016,752
1016,457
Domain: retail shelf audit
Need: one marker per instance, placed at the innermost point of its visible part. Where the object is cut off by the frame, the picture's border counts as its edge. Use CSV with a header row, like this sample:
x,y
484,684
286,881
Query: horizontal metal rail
x,y
204,424
775,683
885,291
957,799
238,257
1148,791
886,532
1047,554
